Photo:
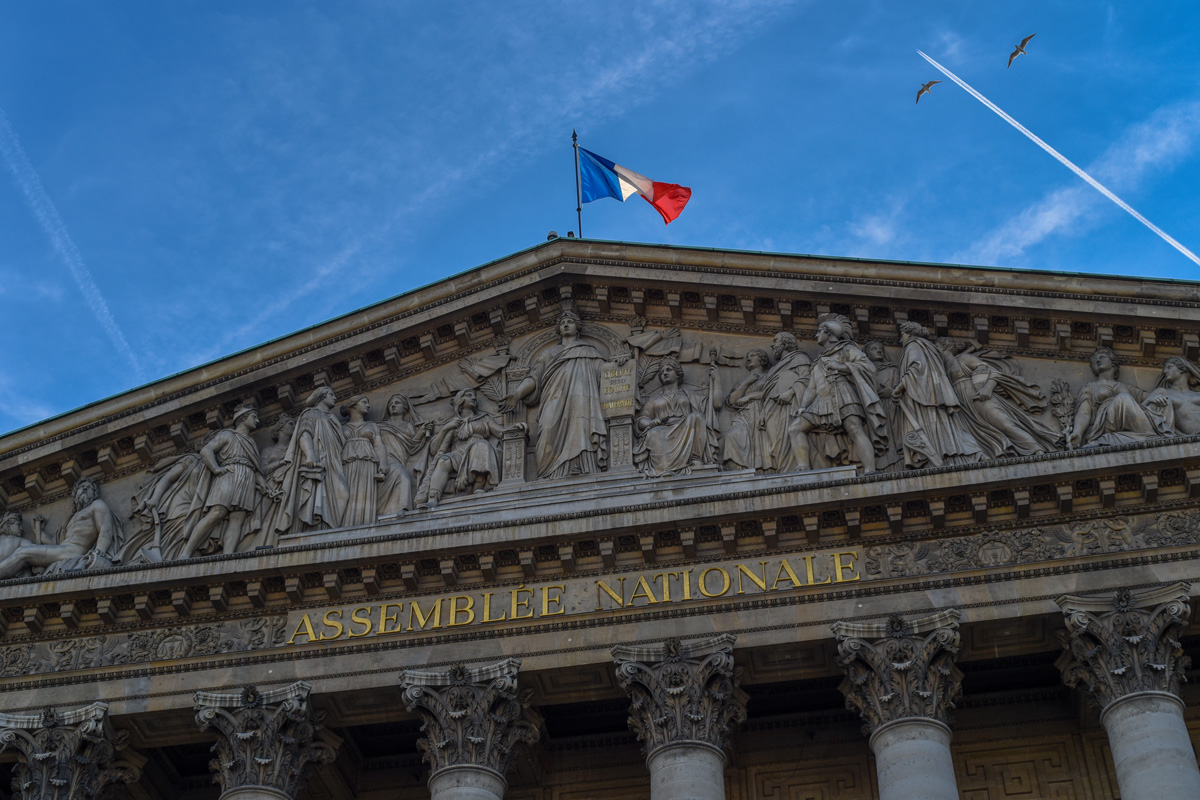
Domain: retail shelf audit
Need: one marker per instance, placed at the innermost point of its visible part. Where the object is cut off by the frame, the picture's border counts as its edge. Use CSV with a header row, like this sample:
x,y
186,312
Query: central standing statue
x,y
572,436
840,402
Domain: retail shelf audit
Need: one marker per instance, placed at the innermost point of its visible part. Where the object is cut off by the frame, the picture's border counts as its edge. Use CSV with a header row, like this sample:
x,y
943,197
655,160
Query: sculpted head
x,y
758,357
11,524
834,327
910,330
1177,367
246,412
1105,360
85,493
465,399
669,371
398,405
284,427
359,403
323,395
784,342
875,352
568,324
948,344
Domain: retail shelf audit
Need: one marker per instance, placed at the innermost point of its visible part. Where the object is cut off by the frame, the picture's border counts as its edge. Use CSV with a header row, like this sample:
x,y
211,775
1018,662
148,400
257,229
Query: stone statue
x,y
168,506
572,436
1109,411
746,444
839,401
997,404
406,444
929,432
230,487
887,375
12,532
363,458
274,454
464,448
783,387
676,425
313,481
90,539
1177,398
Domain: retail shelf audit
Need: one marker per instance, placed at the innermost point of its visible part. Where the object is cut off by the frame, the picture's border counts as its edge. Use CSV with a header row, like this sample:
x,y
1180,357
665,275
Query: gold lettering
x,y
519,603
455,610
619,598
333,623
487,610
305,624
761,583
642,590
547,600
840,568
385,618
704,582
355,617
414,610
666,585
685,580
808,566
785,567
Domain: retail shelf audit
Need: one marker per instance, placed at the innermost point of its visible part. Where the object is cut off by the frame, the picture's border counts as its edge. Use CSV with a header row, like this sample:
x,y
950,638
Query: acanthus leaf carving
x,y
264,738
900,668
1125,642
682,692
471,716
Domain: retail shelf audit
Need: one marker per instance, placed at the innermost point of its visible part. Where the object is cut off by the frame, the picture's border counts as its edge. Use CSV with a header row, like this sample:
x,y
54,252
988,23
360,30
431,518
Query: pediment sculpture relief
x,y
581,400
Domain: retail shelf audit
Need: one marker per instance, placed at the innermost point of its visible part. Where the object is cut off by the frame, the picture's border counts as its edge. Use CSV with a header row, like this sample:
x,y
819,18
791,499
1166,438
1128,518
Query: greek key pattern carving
x,y
471,716
69,755
900,668
681,692
1027,545
120,649
1125,642
264,738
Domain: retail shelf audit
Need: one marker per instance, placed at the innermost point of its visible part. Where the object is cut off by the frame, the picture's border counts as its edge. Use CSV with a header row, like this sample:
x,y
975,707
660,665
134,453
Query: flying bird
x,y
925,89
1020,51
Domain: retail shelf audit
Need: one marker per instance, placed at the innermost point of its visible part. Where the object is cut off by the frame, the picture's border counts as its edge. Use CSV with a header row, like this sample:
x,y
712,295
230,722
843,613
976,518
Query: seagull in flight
x,y
1020,51
925,89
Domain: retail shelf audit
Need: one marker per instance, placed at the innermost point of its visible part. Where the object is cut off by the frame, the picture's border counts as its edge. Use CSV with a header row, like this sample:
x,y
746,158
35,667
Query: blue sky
x,y
180,181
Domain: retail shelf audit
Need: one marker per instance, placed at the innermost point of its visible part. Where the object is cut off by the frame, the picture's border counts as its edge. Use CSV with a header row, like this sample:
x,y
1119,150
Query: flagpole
x,y
578,194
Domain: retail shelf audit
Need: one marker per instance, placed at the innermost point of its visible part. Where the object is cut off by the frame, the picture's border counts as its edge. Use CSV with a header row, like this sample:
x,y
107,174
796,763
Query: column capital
x,y
900,668
473,716
68,754
266,738
682,692
1125,642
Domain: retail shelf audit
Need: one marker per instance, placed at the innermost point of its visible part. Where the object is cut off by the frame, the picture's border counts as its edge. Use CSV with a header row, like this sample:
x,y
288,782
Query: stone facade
x,y
628,521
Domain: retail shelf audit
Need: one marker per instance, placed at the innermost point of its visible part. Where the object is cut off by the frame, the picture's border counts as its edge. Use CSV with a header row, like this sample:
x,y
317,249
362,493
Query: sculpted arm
x,y
103,518
525,388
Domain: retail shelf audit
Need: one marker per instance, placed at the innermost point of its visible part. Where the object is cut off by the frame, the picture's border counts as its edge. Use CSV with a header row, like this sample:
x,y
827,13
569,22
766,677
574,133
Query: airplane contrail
x,y
1066,162
47,215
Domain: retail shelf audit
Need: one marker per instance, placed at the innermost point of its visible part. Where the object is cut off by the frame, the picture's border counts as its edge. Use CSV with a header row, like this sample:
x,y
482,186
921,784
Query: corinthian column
x,y
265,740
902,679
473,721
684,704
65,754
1124,650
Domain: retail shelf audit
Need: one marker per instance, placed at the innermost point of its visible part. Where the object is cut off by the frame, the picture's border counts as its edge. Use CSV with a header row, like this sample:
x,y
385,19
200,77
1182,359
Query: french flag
x,y
599,177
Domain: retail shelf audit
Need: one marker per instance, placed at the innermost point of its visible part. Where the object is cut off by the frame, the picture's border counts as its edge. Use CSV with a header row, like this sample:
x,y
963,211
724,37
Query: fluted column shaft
x,y
1124,650
902,679
685,703
474,720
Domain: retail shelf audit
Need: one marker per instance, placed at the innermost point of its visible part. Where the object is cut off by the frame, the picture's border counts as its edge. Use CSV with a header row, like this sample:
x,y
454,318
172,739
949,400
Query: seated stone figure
x,y
676,425
1109,411
1176,400
89,540
12,533
464,447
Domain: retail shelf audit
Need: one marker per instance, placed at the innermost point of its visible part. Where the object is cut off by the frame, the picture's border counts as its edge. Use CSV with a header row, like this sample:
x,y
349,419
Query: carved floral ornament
x,y
1125,642
471,716
652,402
264,738
67,755
900,668
682,692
